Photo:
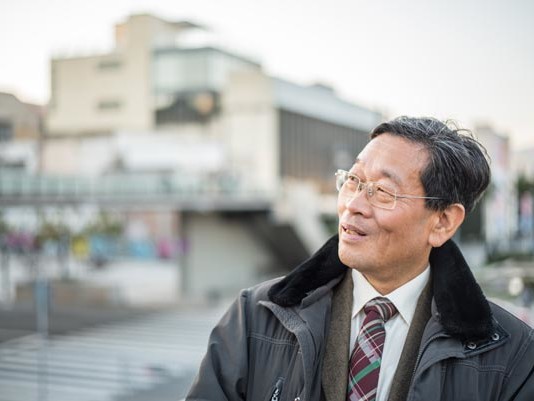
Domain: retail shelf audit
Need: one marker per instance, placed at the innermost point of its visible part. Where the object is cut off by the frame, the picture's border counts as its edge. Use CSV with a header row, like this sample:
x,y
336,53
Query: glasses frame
x,y
371,190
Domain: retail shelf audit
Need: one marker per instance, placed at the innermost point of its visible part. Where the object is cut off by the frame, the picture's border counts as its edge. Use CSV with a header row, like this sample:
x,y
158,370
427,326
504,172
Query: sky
x,y
468,60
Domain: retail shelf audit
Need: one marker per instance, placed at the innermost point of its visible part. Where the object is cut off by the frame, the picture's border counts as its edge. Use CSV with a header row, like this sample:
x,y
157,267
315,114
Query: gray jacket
x,y
287,339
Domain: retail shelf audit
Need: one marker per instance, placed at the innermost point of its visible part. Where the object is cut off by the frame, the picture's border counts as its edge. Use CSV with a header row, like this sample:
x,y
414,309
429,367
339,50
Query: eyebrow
x,y
386,173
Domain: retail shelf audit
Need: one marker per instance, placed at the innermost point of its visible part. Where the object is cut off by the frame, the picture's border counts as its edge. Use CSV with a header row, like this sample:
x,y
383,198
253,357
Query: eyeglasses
x,y
350,185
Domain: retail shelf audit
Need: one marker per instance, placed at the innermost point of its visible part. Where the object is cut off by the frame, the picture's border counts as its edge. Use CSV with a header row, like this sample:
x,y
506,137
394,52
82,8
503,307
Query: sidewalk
x,y
135,283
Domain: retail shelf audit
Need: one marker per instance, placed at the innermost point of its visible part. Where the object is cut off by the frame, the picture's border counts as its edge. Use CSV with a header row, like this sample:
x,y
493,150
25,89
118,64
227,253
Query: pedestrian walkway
x,y
110,362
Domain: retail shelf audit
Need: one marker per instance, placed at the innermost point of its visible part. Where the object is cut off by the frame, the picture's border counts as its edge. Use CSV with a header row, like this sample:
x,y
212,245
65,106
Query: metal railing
x,y
198,192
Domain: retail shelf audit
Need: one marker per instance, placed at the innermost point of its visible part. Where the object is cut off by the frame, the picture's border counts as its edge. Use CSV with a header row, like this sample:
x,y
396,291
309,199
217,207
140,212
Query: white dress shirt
x,y
405,300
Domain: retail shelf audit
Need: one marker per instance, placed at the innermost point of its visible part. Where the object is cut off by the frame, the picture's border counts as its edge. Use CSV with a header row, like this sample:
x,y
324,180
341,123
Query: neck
x,y
386,285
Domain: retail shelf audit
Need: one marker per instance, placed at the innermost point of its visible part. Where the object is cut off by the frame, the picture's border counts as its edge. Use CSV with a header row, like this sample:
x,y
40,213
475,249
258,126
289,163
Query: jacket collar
x,y
462,308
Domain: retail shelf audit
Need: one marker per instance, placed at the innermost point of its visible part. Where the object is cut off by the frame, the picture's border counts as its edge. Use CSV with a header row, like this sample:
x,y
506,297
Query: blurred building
x,y
167,101
100,94
523,163
494,221
161,94
21,131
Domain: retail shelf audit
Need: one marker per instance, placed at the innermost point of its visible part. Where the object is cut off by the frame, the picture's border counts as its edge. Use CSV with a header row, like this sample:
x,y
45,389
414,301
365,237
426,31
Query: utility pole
x,y
41,289
42,299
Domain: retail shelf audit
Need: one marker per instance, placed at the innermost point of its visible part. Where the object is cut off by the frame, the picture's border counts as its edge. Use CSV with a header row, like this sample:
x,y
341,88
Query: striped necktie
x,y
366,356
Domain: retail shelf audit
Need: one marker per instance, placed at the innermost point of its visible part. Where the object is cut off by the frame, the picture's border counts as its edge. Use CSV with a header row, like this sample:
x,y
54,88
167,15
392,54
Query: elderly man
x,y
387,309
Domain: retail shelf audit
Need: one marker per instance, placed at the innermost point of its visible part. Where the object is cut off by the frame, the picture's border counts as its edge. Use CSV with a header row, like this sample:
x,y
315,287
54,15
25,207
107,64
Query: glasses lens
x,y
381,197
350,185
347,184
341,178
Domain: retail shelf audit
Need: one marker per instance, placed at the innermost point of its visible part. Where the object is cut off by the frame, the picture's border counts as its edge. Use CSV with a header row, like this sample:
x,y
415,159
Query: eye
x,y
353,178
384,193
381,189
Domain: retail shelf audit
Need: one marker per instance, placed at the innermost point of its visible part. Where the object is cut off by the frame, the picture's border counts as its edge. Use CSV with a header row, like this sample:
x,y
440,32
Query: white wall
x,y
79,84
251,130
223,255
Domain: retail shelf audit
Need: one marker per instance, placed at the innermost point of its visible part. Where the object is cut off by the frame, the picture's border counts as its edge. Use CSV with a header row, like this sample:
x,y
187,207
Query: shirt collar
x,y
404,298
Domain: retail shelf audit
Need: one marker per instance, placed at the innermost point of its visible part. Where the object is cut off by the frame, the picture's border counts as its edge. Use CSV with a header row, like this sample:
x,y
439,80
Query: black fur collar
x,y
463,309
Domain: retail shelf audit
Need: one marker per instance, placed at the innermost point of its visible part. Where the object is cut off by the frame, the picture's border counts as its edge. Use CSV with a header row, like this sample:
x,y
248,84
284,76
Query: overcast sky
x,y
471,60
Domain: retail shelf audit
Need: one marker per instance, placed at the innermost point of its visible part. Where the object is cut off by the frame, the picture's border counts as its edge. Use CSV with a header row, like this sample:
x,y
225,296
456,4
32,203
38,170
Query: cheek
x,y
394,227
410,229
340,208
387,221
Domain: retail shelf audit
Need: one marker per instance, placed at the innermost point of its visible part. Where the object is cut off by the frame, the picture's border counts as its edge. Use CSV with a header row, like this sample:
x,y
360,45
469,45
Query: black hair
x,y
458,168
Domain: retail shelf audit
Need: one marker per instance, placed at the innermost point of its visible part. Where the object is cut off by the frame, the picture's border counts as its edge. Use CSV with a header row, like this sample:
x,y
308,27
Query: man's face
x,y
388,246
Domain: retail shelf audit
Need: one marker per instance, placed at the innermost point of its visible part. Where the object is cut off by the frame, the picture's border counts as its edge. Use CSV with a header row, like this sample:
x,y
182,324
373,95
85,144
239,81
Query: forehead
x,y
394,157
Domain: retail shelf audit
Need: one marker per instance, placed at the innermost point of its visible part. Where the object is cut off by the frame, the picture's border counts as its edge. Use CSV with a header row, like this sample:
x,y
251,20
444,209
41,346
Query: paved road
x,y
144,357
20,320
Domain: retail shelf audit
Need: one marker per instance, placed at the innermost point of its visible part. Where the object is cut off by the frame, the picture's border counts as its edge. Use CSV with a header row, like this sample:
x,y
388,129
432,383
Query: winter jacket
x,y
287,339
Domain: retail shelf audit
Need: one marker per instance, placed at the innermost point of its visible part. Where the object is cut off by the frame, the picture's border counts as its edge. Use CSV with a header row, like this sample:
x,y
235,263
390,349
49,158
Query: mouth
x,y
353,230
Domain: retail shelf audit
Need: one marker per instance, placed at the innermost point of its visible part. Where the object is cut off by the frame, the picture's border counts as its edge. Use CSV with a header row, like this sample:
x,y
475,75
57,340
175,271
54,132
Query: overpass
x,y
131,191
235,236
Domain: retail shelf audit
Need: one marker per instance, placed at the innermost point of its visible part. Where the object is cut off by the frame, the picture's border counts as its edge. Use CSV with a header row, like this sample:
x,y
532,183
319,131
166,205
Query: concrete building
x,y
21,132
19,121
156,87
164,104
499,205
100,94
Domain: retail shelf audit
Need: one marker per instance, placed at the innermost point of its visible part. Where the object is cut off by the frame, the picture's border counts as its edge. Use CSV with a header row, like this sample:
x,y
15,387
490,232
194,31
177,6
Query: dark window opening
x,y
109,65
109,105
189,107
6,131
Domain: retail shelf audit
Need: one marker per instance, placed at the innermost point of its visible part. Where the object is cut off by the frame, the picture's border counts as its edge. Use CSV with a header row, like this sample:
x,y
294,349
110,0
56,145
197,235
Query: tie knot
x,y
382,306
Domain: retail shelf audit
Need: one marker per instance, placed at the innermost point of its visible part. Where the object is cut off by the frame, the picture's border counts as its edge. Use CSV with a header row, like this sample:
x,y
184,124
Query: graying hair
x,y
458,169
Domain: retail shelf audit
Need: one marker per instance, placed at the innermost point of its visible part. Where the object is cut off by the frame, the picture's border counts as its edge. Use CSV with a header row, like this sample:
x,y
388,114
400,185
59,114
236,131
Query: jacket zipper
x,y
277,390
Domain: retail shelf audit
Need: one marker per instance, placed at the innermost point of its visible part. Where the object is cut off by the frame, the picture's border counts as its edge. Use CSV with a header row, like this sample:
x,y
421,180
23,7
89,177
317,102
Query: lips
x,y
353,230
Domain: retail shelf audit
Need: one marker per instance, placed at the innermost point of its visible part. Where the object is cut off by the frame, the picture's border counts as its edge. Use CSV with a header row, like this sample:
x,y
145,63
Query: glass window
x,y
106,105
110,64
6,131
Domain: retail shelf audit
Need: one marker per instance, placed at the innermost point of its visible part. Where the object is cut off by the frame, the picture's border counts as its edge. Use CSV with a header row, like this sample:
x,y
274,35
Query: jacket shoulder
x,y
510,323
519,351
259,292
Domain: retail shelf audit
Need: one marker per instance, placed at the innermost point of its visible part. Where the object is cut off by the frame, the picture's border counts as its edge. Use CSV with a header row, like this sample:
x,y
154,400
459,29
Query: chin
x,y
355,257
347,256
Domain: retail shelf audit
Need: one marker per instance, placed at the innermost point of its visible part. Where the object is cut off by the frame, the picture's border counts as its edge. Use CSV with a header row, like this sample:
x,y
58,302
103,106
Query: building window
x,y
6,131
109,65
109,105
312,149
186,107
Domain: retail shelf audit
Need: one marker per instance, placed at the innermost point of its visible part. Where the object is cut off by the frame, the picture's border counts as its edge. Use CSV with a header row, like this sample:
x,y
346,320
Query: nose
x,y
359,202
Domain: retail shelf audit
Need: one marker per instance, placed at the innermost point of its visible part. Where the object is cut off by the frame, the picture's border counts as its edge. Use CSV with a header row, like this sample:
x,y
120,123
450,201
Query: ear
x,y
446,224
